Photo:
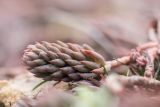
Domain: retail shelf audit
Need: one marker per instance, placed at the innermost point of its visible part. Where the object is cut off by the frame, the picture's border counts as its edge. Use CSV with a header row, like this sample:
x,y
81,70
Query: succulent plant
x,y
62,61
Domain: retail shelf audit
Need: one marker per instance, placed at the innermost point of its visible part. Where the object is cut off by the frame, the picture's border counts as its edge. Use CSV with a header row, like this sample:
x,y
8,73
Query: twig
x,y
112,64
139,81
119,82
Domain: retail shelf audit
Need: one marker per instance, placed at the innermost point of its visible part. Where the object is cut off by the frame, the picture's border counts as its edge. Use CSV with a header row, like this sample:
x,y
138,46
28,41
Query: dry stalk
x,y
120,83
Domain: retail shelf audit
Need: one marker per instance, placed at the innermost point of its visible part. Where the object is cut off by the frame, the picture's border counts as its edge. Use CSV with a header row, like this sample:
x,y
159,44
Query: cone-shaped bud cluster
x,y
62,61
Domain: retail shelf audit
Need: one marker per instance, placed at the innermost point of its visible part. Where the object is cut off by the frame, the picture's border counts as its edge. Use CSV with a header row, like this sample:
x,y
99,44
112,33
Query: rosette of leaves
x,y
63,61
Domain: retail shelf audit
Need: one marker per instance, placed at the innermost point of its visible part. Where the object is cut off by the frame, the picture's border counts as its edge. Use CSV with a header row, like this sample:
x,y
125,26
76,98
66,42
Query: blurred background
x,y
112,27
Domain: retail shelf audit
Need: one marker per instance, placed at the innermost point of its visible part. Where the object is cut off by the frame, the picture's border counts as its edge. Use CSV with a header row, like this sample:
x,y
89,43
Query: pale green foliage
x,y
91,98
